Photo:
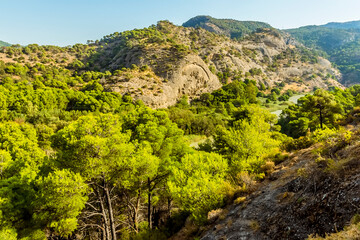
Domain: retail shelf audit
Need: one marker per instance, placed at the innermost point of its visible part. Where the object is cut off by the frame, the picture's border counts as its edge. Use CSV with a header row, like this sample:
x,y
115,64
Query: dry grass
x,y
217,214
229,223
254,225
285,196
240,200
303,172
246,181
334,166
351,232
268,167
232,192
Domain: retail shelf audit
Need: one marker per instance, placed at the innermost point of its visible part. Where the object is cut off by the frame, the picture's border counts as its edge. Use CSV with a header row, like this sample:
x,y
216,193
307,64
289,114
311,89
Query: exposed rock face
x,y
185,61
191,77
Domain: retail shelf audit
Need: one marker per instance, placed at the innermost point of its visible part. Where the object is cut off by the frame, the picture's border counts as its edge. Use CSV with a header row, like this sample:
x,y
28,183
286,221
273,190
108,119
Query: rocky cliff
x,y
173,61
190,76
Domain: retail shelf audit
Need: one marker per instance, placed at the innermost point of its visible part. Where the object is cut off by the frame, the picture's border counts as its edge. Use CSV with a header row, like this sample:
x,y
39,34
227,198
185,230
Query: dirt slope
x,y
310,193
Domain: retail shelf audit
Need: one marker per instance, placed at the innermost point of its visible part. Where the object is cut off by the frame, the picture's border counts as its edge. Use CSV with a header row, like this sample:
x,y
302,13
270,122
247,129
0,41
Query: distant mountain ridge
x,y
343,25
324,38
4,44
339,42
229,27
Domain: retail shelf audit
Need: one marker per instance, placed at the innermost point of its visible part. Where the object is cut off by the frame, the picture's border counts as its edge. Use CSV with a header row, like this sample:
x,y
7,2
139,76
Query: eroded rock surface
x,y
188,61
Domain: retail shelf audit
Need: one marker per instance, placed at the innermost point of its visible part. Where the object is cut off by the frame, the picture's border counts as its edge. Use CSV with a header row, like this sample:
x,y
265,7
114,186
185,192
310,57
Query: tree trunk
x,y
104,233
136,212
149,204
110,210
102,208
169,207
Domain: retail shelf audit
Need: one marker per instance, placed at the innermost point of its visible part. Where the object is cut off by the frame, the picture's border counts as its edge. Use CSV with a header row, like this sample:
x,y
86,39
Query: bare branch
x,y
92,225
92,206
91,214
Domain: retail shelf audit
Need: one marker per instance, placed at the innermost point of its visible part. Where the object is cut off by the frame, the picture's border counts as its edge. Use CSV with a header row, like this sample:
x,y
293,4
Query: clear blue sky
x,y
66,22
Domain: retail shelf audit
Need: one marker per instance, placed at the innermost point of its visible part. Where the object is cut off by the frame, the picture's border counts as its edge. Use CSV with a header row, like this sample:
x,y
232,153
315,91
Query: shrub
x,y
240,200
268,167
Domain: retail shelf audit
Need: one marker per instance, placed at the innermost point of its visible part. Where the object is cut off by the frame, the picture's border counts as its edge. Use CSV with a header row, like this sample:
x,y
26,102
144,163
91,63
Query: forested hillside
x,y
79,161
83,156
339,42
229,27
4,44
344,25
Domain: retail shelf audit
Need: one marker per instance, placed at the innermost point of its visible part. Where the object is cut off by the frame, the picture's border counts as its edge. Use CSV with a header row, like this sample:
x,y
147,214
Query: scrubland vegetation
x,y
78,161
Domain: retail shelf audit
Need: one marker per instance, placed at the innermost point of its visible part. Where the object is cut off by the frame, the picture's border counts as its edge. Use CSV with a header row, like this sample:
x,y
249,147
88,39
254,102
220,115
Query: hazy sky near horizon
x,y
66,22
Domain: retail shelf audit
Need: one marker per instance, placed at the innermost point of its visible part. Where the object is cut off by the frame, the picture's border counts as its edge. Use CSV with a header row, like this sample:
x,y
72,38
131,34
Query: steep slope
x,y
340,42
169,61
316,191
229,27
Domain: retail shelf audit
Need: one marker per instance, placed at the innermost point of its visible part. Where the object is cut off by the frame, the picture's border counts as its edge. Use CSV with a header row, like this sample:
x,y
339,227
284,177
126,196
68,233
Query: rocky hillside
x,y
315,191
161,63
338,42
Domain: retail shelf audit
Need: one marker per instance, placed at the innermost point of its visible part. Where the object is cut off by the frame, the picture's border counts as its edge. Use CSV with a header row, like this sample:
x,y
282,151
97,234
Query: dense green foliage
x,y
345,25
322,38
79,161
197,182
76,159
248,141
297,120
212,109
34,196
235,29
